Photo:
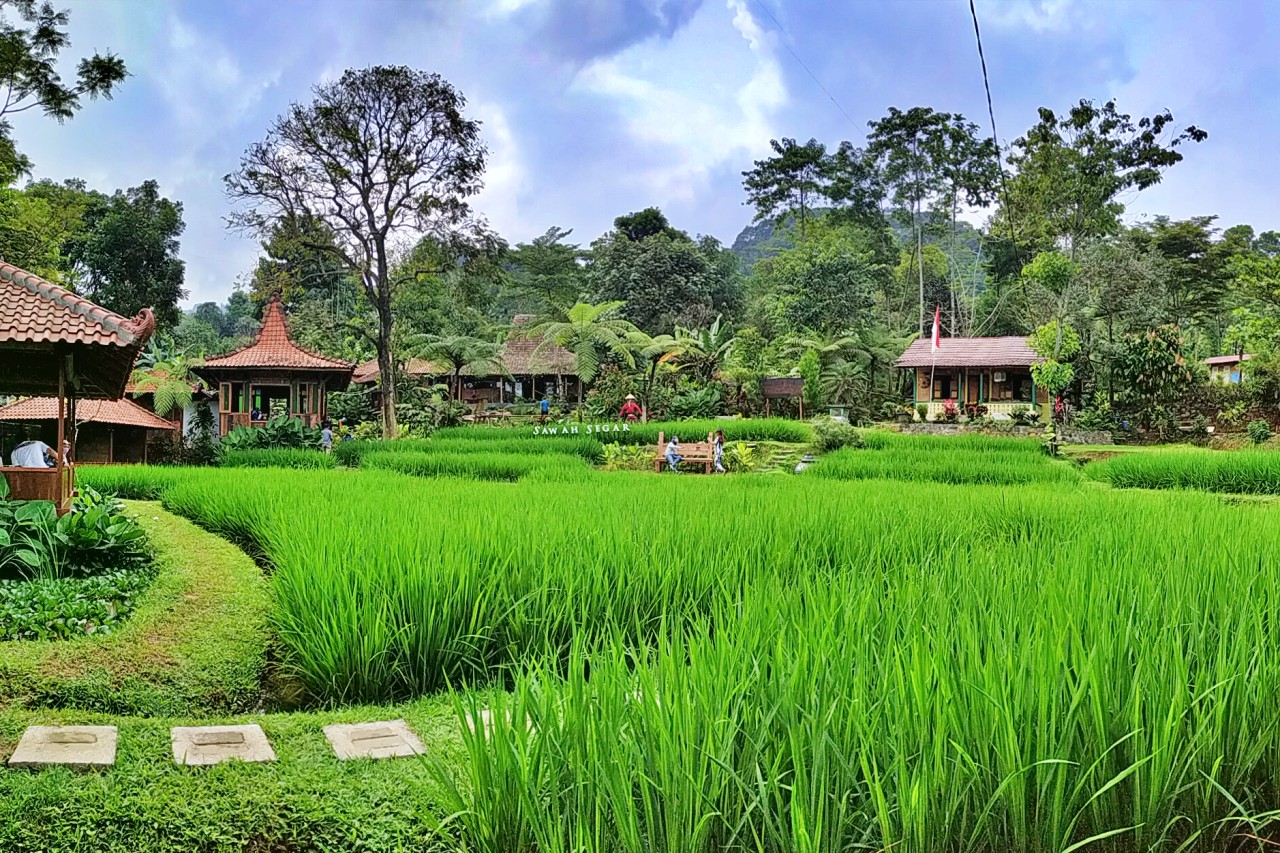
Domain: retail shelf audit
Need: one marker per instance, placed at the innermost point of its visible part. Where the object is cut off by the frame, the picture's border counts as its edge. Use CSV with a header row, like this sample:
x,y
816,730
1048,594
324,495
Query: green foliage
x,y
279,432
1259,431
693,402
1154,375
810,370
831,434
1053,375
69,608
995,461
627,457
592,333
35,542
1058,341
504,467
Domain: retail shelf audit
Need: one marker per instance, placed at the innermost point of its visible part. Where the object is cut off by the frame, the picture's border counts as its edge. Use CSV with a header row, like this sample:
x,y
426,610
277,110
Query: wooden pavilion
x,y
990,372
273,376
105,431
56,344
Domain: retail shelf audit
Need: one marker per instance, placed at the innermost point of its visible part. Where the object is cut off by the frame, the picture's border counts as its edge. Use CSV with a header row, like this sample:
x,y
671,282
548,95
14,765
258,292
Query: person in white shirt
x,y
673,453
34,454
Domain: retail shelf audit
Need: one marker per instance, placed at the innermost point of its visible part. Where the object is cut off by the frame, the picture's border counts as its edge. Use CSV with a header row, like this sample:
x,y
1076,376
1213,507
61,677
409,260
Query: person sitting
x,y
673,454
34,454
255,415
631,410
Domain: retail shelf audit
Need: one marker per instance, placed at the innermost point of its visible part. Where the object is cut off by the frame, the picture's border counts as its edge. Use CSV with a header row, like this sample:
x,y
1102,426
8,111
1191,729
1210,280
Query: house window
x,y
231,397
1010,387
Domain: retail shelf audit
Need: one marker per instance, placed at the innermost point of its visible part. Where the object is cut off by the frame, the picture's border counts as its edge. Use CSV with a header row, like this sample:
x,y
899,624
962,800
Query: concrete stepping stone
x,y
77,747
390,739
487,721
202,745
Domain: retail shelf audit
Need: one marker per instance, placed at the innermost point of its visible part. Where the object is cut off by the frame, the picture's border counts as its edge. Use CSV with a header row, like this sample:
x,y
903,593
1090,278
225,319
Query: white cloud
x,y
1040,16
504,174
705,98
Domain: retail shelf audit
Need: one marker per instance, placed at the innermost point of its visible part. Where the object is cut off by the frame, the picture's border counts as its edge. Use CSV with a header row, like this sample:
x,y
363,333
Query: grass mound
x,y
196,643
958,460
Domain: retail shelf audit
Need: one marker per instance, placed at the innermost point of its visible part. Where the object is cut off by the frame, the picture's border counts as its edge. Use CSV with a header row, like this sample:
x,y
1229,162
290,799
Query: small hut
x,y
105,431
56,344
273,376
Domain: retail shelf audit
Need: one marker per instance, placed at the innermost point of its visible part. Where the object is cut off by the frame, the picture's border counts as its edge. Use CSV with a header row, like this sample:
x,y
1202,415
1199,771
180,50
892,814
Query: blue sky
x,y
593,108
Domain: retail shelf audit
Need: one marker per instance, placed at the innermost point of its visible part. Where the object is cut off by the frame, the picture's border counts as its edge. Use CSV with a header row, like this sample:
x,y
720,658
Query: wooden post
x,y
111,444
62,426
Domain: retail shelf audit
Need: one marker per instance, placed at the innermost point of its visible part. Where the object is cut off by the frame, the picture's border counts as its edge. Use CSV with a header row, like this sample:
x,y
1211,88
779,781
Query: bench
x,y
693,451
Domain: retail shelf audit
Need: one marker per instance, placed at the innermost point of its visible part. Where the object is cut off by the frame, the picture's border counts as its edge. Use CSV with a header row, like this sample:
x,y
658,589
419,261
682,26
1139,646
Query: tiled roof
x,y
272,347
1227,359
517,357
969,352
117,412
33,310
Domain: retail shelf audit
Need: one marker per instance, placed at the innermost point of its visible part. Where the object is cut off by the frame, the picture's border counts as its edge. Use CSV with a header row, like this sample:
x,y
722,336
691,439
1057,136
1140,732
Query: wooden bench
x,y
693,451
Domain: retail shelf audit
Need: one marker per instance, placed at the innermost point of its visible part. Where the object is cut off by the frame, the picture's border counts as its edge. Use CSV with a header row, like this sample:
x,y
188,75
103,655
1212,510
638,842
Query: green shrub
x,y
95,535
1236,472
1259,431
831,434
279,432
507,467
628,457
66,608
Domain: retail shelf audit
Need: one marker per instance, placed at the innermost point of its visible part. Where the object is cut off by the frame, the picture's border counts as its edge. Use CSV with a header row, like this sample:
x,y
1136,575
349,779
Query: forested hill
x,y
761,239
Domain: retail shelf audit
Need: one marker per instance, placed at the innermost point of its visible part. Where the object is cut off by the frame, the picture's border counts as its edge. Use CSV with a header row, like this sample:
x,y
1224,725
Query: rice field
x,y
958,460
783,663
276,458
1251,472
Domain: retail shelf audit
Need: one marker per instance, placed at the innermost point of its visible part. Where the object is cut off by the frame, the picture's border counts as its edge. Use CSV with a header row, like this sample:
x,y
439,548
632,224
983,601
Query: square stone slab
x,y
391,739
487,721
78,747
201,745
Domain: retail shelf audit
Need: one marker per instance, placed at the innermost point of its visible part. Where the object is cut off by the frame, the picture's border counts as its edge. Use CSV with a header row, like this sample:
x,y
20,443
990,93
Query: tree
x,y
195,336
703,351
549,270
926,158
38,223
664,281
592,333
128,253
379,155
828,283
299,257
1195,276
168,378
459,352
1057,344
646,223
786,186
1069,171
1153,374
28,73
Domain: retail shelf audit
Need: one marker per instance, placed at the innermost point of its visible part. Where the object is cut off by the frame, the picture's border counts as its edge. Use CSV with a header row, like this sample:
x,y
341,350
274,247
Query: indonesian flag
x,y
937,328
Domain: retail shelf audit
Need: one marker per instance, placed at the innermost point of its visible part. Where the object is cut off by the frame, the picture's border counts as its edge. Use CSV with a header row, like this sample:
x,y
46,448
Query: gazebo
x,y
56,344
273,376
105,431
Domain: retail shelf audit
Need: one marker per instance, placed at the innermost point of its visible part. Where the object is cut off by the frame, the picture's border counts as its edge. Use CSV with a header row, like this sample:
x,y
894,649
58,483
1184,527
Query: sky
x,y
594,108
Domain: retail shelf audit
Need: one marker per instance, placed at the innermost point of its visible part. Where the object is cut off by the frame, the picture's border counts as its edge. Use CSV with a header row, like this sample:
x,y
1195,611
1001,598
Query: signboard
x,y
580,429
782,386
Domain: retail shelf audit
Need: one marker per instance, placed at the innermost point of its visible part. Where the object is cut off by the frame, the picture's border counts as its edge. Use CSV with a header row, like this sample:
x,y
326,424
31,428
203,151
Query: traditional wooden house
x,y
530,374
273,376
990,372
105,431
56,344
1227,369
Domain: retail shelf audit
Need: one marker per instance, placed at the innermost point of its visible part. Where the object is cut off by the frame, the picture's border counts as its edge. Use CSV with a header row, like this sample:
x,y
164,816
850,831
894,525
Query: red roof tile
x,y
969,352
272,347
33,310
1227,359
118,412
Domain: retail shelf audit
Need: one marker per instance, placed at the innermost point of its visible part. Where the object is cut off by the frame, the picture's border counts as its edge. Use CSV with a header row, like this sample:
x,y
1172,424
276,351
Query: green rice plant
x,y
507,467
879,439
276,458
904,462
1236,472
131,482
793,663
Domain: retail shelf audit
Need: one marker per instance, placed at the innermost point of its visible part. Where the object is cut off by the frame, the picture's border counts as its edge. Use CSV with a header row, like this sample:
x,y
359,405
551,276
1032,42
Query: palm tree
x,y
460,351
704,351
166,375
592,333
656,350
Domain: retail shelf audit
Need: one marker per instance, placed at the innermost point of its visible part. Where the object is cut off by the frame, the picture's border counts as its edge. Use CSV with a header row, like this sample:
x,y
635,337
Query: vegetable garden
x,y
828,661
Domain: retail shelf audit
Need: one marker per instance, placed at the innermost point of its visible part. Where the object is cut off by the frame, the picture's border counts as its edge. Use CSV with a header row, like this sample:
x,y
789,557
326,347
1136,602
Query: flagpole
x,y
934,344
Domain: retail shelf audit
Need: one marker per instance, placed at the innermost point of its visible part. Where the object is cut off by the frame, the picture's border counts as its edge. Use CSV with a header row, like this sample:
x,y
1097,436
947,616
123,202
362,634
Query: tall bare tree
x,y
382,157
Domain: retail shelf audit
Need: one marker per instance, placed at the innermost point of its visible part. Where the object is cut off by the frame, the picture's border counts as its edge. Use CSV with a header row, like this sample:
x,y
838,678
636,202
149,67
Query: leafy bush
x,y
922,411
95,535
63,608
831,434
705,402
1025,415
628,457
1234,413
1259,431
278,432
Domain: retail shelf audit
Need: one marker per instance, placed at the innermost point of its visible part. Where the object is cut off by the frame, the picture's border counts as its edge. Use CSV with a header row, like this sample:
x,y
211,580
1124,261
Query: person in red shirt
x,y
631,410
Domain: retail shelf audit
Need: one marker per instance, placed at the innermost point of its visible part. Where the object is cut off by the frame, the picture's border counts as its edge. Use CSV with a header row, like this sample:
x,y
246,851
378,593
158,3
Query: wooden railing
x,y
41,484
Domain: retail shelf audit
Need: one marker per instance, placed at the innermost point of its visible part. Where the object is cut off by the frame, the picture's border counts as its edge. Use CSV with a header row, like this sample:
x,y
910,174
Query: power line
x,y
797,58
991,113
